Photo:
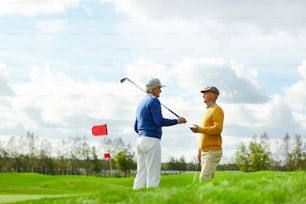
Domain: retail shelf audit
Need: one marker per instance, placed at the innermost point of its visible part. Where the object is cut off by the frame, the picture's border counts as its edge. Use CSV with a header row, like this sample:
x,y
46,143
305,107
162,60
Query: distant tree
x,y
113,146
13,153
304,155
96,164
256,157
262,153
304,159
86,156
124,161
181,164
242,158
191,166
62,156
6,162
45,161
227,167
75,154
286,154
297,152
294,156
172,164
1,157
31,152
121,162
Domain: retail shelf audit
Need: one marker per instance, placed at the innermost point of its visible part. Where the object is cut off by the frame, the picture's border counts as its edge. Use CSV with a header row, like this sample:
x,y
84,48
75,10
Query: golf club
x,y
195,173
127,79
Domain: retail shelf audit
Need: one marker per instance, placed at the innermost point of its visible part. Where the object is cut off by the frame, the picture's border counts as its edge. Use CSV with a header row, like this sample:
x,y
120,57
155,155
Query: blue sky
x,y
61,63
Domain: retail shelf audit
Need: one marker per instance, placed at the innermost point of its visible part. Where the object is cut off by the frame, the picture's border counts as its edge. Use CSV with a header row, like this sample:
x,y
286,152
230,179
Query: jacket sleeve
x,y
157,114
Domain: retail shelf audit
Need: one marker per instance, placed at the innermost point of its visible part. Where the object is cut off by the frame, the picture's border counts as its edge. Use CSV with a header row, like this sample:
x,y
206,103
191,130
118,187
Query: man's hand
x,y
195,128
181,120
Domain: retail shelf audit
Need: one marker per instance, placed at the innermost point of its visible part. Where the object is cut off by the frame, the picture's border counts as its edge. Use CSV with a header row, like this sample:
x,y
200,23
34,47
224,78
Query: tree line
x,y
75,156
257,155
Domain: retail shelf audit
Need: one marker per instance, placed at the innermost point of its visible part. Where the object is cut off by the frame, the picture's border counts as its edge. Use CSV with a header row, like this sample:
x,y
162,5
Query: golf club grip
x,y
170,110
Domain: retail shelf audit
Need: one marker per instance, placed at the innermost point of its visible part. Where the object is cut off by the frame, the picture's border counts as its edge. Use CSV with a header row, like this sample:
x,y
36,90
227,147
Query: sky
x,y
61,62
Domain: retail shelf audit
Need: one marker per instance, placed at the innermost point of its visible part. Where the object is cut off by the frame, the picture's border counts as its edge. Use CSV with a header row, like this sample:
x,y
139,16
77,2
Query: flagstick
x,y
110,166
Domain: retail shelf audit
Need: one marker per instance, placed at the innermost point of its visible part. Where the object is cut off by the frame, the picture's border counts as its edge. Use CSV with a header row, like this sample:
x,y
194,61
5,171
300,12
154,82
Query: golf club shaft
x,y
124,79
136,85
195,173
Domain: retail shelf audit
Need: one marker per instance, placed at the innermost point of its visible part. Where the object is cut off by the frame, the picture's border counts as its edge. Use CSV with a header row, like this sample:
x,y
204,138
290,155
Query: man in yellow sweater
x,y
210,149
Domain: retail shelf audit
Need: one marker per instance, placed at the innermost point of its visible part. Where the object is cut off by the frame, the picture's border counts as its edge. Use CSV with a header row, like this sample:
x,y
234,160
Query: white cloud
x,y
5,90
144,69
295,95
262,33
60,97
51,27
268,15
302,69
3,71
236,84
32,8
50,98
269,115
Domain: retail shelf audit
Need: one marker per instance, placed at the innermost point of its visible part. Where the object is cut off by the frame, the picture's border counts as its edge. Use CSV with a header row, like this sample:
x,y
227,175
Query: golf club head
x,y
123,80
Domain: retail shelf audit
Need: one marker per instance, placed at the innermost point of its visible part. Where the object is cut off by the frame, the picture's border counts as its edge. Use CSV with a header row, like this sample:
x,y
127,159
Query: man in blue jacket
x,y
148,126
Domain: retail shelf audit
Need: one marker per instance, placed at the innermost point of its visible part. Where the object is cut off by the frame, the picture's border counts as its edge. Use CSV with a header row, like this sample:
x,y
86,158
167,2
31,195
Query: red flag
x,y
107,155
99,130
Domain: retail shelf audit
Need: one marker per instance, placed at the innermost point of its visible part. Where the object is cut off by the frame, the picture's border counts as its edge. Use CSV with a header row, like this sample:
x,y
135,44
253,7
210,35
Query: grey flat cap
x,y
211,89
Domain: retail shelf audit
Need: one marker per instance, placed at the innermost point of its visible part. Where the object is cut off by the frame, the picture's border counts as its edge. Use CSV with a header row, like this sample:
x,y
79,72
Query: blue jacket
x,y
149,120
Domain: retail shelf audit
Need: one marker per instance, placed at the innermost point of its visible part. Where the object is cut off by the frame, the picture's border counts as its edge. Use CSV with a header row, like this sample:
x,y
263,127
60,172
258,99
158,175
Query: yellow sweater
x,y
211,128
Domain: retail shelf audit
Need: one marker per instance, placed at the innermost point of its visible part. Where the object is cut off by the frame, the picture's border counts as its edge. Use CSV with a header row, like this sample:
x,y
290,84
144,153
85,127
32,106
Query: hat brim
x,y
209,91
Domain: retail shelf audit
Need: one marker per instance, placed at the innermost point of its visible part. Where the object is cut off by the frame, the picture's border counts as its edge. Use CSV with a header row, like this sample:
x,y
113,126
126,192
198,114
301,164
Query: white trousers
x,y
148,152
209,161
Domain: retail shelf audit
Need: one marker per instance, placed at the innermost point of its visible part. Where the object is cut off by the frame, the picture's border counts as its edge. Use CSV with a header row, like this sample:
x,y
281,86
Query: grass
x,y
227,187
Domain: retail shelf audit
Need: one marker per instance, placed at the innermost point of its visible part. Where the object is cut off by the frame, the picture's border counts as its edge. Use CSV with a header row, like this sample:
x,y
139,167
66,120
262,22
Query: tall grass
x,y
226,187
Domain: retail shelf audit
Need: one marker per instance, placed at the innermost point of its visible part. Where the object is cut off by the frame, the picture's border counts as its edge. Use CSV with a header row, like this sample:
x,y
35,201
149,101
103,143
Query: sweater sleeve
x,y
217,123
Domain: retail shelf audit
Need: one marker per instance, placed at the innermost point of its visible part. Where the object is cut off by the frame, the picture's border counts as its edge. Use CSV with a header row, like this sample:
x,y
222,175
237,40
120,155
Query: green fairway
x,y
227,187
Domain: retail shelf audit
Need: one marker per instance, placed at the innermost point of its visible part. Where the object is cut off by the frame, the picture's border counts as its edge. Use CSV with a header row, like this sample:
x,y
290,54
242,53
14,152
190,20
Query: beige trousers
x,y
209,163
